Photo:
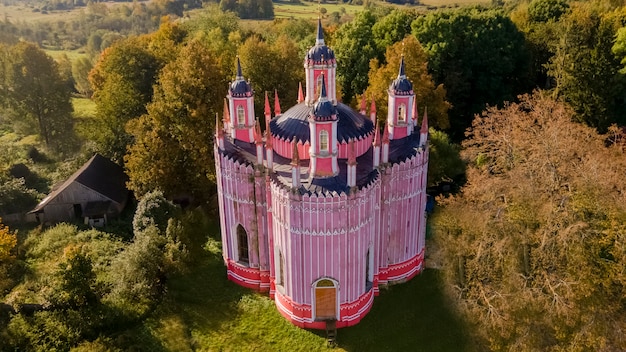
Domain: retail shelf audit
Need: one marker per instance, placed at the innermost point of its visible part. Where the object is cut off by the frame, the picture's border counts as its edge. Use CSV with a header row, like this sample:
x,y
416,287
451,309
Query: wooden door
x,y
325,300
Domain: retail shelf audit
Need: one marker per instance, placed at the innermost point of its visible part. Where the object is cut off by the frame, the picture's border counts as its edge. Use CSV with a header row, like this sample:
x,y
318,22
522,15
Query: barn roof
x,y
99,174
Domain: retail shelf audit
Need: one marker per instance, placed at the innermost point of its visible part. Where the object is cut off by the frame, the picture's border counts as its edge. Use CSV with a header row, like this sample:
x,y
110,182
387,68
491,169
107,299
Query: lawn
x,y
203,311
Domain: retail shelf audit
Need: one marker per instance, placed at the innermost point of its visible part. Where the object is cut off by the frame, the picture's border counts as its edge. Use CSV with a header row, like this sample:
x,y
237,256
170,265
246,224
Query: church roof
x,y
294,123
323,109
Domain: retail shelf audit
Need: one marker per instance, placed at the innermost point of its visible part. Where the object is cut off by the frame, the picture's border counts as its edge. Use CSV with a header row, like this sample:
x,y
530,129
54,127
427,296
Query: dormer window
x,y
323,142
402,113
241,116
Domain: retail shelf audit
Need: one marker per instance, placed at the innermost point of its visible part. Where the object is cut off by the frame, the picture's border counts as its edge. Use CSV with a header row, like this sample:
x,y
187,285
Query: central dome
x,y
295,123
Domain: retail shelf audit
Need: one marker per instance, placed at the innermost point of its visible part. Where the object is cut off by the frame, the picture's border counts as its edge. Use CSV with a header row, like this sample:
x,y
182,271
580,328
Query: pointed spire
x,y
219,131
295,155
377,135
258,137
401,73
415,112
351,153
239,73
268,137
268,112
373,110
300,94
425,121
276,103
319,40
363,105
386,135
226,111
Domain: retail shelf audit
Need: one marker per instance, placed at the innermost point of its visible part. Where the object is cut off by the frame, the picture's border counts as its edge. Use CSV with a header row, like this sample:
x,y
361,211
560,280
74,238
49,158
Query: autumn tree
x,y
173,149
427,94
272,66
533,245
478,55
39,96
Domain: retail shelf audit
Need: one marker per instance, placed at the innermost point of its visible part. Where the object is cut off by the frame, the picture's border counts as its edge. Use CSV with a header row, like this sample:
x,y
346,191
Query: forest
x,y
527,112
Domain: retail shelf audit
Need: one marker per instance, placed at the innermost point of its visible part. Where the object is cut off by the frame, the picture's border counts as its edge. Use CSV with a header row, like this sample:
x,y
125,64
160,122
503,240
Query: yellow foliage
x,y
8,241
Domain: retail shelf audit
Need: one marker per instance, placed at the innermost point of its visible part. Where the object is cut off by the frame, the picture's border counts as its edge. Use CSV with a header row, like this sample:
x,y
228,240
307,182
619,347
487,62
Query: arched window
x,y
402,113
241,116
242,245
323,141
318,86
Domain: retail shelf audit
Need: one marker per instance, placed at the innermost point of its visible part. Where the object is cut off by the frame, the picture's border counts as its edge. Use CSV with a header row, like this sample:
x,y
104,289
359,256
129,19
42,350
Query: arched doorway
x,y
242,245
325,299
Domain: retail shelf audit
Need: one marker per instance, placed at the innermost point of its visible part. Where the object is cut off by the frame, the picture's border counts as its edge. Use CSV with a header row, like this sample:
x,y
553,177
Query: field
x,y
205,312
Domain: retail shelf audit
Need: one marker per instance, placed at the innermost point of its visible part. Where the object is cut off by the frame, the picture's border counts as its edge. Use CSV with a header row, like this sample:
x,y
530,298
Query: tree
x,y
38,93
153,210
354,48
173,137
444,159
427,94
478,55
7,243
122,82
77,280
393,28
272,66
80,72
585,70
532,245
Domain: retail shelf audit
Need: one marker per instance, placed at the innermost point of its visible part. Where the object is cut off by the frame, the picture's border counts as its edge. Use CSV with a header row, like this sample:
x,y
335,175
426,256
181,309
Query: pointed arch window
x,y
241,116
323,141
402,113
242,245
318,86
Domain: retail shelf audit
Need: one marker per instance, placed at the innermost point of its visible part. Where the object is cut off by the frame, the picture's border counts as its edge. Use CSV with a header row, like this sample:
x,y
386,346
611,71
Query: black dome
x,y
294,123
401,85
240,88
320,53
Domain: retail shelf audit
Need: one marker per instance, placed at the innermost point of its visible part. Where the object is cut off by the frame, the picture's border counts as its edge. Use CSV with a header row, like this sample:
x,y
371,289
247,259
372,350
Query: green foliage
x,y
393,28
547,10
172,137
39,94
444,159
15,197
80,72
153,210
478,55
248,9
77,280
585,70
354,47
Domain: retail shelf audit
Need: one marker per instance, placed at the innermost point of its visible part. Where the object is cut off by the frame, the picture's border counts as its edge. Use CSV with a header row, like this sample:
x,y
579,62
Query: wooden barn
x,y
94,193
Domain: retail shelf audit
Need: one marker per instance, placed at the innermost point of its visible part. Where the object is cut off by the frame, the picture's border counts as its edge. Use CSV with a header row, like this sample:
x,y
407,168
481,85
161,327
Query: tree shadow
x,y
413,316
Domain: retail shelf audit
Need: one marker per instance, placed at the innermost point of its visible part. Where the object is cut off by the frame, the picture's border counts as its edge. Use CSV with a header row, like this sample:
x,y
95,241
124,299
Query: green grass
x,y
84,107
309,10
203,311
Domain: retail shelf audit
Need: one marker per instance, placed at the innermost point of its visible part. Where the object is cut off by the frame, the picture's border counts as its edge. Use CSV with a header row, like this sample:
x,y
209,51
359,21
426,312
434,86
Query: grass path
x,y
206,312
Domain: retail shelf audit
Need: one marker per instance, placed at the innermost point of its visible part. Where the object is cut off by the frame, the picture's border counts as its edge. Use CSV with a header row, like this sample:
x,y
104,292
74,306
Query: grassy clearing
x,y
205,312
310,10
84,107
72,55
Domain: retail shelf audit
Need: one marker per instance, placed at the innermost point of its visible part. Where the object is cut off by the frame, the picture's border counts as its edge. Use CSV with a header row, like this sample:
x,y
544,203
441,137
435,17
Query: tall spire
x,y
401,73
295,155
323,96
377,135
295,165
319,40
219,132
300,94
363,107
226,113
425,121
276,103
373,110
351,153
239,72
267,111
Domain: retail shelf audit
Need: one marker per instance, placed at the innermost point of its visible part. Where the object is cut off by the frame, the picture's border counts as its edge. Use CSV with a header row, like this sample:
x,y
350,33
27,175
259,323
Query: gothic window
x,y
368,272
242,245
281,270
402,113
241,116
318,86
323,141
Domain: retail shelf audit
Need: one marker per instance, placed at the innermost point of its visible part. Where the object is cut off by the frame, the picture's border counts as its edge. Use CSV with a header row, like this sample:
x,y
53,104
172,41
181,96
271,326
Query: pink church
x,y
320,210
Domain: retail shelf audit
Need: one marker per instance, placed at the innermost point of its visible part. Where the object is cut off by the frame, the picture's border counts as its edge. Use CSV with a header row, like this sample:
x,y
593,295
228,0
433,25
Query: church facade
x,y
320,210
